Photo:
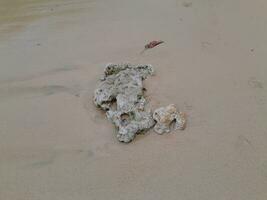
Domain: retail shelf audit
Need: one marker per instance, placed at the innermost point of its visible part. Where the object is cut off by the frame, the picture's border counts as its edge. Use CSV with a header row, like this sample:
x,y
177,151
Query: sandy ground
x,y
54,144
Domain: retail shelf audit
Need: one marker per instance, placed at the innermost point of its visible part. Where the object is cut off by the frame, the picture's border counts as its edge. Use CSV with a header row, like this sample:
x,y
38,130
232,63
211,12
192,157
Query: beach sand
x,y
54,143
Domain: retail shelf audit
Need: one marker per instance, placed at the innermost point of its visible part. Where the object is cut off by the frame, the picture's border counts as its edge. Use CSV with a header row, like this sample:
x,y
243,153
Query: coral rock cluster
x,y
121,95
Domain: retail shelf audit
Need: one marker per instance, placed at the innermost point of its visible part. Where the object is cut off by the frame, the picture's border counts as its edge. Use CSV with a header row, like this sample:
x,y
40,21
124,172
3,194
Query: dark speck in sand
x,y
187,4
252,50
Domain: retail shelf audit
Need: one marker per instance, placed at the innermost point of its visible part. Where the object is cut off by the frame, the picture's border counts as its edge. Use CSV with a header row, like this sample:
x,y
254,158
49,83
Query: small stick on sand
x,y
151,45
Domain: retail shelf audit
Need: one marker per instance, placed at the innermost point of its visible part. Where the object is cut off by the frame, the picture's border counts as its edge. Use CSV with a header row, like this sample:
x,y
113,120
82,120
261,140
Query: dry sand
x,y
55,145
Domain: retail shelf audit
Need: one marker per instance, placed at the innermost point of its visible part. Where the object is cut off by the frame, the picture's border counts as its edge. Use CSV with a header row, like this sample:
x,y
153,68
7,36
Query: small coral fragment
x,y
166,116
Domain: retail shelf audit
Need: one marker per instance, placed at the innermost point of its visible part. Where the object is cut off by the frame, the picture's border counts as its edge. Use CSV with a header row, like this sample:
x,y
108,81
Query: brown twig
x,y
151,45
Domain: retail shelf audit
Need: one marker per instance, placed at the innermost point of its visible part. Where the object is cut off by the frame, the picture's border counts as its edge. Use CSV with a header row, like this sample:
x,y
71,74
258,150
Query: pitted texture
x,y
120,94
166,117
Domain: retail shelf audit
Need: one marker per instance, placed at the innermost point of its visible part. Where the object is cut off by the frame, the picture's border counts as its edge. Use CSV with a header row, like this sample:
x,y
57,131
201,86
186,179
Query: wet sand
x,y
54,144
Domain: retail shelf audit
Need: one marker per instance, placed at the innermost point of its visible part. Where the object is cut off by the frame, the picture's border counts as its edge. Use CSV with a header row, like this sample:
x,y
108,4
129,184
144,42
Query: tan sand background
x,y
55,145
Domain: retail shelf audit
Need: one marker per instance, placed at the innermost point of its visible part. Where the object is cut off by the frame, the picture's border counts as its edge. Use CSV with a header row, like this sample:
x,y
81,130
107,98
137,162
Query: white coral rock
x,y
166,116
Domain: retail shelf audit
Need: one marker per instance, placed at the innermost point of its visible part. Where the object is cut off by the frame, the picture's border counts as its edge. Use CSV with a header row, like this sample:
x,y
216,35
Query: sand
x,y
54,143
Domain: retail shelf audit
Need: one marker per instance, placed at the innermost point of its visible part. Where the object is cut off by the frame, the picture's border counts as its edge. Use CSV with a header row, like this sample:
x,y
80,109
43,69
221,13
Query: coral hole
x,y
125,119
